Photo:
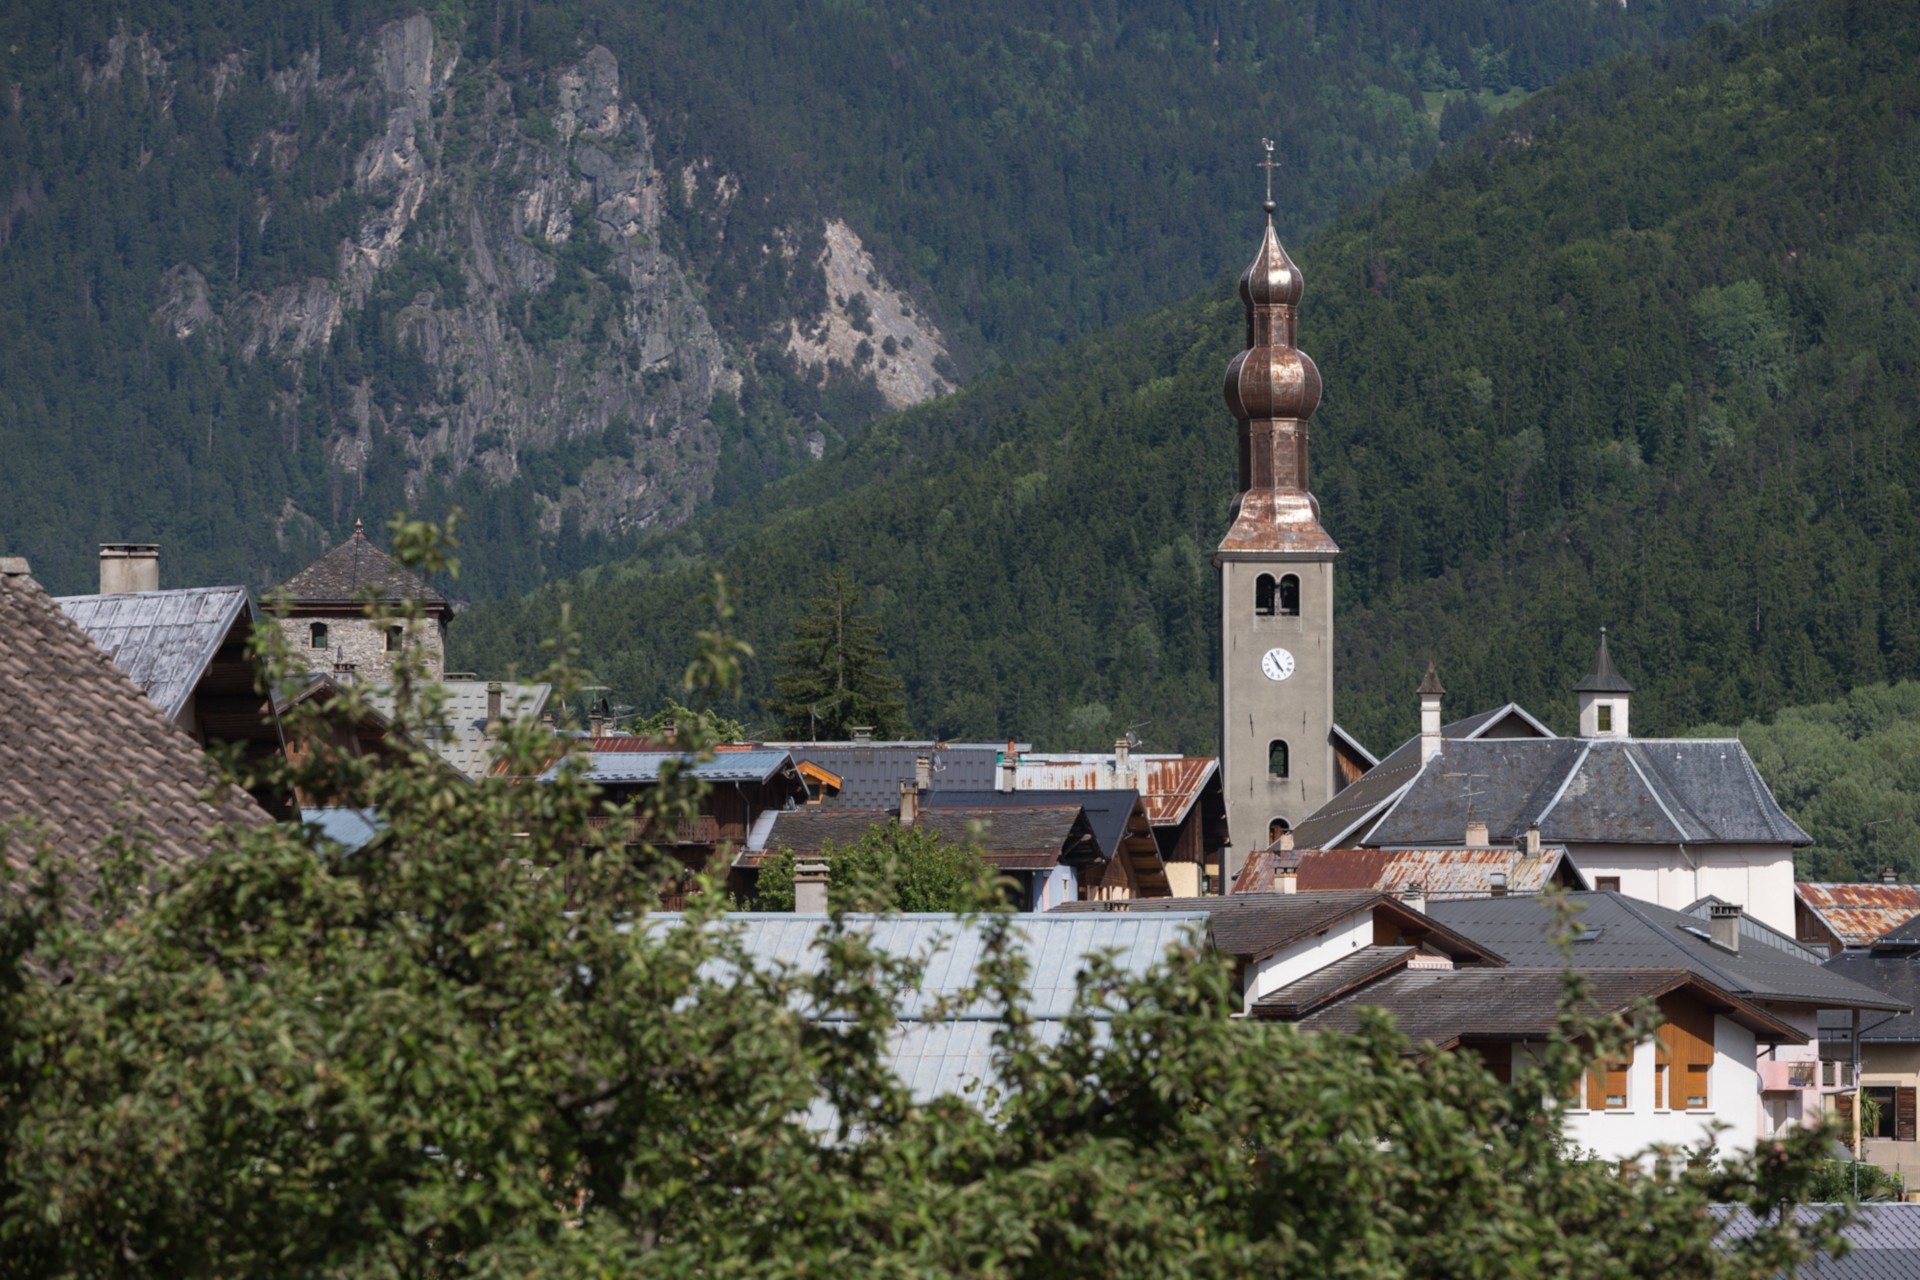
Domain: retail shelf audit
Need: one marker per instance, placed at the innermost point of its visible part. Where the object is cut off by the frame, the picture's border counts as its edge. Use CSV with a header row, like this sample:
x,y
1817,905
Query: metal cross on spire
x,y
1269,164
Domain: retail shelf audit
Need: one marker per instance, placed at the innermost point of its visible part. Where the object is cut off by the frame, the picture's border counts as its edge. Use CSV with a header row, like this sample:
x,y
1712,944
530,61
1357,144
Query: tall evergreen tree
x,y
834,672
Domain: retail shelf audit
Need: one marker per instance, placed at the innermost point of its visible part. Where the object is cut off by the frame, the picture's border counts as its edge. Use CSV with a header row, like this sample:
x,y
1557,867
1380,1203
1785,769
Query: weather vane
x,y
1269,164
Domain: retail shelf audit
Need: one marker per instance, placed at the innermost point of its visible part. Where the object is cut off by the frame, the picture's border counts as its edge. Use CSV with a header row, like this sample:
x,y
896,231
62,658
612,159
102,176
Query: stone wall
x,y
364,641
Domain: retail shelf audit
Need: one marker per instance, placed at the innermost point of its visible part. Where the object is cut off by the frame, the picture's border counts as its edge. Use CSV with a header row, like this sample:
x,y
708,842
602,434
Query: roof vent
x,y
862,732
1889,876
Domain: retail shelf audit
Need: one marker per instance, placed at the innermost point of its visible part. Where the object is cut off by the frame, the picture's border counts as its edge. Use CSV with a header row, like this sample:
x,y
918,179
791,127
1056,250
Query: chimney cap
x,y
1889,876
1430,687
1724,910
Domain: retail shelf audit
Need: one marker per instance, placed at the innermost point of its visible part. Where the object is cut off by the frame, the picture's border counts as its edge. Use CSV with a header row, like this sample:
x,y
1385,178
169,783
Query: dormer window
x,y
317,636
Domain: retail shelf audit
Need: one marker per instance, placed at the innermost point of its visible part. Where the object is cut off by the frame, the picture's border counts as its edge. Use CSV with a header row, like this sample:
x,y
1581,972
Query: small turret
x,y
1604,697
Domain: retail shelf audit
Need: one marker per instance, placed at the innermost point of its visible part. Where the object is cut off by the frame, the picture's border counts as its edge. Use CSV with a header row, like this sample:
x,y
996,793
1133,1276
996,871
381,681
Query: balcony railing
x,y
699,829
1789,1075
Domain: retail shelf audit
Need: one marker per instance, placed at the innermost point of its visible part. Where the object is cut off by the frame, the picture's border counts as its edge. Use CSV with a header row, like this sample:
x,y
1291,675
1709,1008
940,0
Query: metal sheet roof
x,y
351,829
629,767
1625,933
1168,785
1894,973
163,640
464,743
1443,873
1860,913
1884,1240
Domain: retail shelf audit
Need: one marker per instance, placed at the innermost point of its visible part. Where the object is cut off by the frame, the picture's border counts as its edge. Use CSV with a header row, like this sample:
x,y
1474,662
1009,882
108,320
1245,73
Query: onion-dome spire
x,y
1272,388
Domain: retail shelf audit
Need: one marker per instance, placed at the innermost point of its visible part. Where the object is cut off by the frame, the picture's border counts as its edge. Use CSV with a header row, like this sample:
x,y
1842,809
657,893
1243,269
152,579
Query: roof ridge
x,y
1634,907
1629,750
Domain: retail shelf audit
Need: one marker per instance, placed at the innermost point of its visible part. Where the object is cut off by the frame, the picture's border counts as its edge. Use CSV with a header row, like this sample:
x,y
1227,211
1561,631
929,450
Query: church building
x,y
1282,754
323,613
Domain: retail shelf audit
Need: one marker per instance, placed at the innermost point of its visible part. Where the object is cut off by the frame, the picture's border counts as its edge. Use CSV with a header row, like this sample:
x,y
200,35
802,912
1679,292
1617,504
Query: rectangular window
x,y
1607,884
1606,717
1685,1046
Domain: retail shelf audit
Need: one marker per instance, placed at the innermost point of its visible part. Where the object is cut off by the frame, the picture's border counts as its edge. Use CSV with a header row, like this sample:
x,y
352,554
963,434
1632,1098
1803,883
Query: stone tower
x,y
1276,577
323,612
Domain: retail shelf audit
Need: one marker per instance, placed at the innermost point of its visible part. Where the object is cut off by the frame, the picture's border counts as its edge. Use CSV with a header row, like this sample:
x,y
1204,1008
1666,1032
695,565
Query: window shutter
x,y
1843,1107
1903,1118
1687,1039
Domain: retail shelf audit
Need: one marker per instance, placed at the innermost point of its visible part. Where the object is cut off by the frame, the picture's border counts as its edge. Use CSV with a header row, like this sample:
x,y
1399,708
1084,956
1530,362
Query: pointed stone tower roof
x,y
339,578
1430,686
1605,677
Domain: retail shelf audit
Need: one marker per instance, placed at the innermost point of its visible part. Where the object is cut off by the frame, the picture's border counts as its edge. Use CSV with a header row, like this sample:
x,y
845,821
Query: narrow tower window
x,y
1275,829
1290,596
317,636
1606,717
1277,759
1263,590
396,636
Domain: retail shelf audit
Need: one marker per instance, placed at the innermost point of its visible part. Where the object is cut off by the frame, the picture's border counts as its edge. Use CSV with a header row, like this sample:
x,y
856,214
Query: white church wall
x,y
1756,877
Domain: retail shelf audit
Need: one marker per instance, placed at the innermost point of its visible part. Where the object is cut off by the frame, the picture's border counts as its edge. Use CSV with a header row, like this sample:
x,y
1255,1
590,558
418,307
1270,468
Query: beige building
x,y
1888,1053
323,612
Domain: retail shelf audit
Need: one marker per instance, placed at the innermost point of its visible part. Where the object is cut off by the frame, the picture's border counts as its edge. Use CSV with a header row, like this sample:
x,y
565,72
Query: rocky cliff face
x,y
510,276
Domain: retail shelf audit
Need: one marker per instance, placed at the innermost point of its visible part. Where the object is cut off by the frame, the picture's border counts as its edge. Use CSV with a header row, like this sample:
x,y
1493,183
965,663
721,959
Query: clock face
x,y
1277,664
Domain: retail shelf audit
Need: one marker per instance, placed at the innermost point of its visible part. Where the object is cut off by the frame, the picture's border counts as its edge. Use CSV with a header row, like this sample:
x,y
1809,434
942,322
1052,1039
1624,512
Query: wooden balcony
x,y
700,829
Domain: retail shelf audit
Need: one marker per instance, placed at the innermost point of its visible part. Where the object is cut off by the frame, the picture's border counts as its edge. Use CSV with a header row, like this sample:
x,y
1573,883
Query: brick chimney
x,y
810,888
1725,920
129,566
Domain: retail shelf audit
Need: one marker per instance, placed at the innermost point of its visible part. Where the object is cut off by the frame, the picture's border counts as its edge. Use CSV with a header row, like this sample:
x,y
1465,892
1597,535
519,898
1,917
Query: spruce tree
x,y
834,672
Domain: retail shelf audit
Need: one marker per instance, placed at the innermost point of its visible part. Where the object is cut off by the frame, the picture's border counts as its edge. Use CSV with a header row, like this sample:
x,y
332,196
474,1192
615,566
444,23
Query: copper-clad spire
x,y
1272,388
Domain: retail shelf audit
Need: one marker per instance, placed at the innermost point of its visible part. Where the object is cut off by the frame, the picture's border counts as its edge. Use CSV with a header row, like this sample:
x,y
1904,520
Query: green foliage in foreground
x,y
1849,772
468,1050
887,869
1640,353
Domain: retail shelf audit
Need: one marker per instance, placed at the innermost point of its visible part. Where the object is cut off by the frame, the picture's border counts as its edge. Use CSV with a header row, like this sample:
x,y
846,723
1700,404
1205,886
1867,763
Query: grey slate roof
x,y
86,754
1032,838
163,640
1613,791
340,576
1885,1240
1604,677
1444,1006
1108,811
464,743
1369,795
1624,933
1895,974
954,1055
616,768
871,773
1756,931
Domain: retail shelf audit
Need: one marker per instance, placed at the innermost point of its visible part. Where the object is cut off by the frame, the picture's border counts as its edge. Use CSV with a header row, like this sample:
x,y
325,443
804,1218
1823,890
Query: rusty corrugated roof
x,y
1442,873
1168,785
1859,913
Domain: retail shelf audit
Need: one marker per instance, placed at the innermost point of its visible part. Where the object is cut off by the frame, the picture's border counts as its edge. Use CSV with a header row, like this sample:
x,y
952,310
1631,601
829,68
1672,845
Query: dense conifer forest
x,y
1643,352
182,180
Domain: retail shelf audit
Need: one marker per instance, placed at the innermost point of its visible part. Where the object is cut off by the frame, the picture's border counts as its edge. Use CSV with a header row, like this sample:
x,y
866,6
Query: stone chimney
x,y
923,772
596,724
1889,876
1286,876
1415,897
1431,743
862,733
909,804
810,888
129,566
1725,919
1533,840
1009,768
342,669
493,708
1477,835
1122,762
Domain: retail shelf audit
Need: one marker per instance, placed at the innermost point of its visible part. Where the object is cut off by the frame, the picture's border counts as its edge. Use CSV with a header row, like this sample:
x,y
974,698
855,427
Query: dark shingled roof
x,y
1253,926
871,773
1336,820
1108,811
163,640
87,753
1605,677
340,576
1297,999
1596,790
1445,1006
1893,973
1624,933
1030,839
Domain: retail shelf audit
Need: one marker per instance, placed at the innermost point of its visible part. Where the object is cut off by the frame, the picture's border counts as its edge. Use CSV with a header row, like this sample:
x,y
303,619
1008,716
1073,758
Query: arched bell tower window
x,y
1275,829
1277,759
1290,596
1263,596
317,636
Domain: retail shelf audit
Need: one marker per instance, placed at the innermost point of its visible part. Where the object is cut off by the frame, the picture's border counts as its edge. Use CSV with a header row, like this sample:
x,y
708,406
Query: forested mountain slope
x,y
1643,352
582,267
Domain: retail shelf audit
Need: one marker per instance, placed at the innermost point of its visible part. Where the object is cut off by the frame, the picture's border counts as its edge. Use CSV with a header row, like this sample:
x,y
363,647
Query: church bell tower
x,y
1276,576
